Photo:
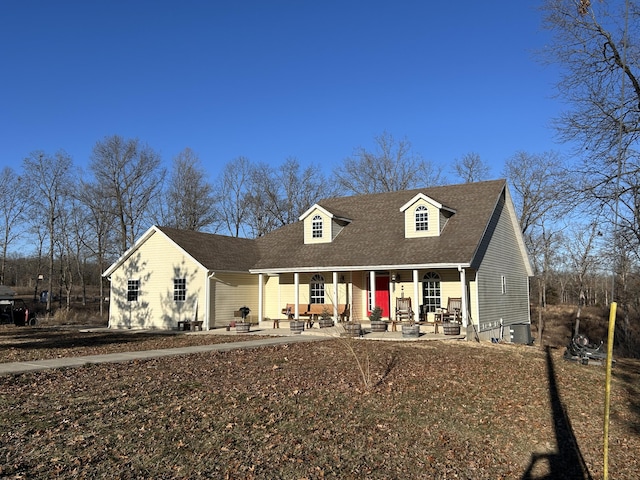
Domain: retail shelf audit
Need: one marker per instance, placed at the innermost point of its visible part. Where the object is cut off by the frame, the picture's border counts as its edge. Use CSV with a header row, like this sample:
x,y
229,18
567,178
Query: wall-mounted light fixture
x,y
395,277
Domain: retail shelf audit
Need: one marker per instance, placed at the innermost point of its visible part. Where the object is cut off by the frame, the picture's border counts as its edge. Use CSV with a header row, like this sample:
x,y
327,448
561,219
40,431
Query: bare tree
x,y
189,197
597,44
470,168
49,180
232,188
100,241
129,173
538,184
598,49
278,196
13,203
391,166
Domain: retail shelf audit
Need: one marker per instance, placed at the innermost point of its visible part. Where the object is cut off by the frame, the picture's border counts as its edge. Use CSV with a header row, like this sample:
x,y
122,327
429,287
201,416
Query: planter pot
x,y
296,326
325,322
243,327
378,326
412,331
353,329
451,328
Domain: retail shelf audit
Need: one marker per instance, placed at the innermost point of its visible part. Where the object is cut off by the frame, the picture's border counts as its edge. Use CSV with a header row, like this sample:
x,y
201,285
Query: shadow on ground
x,y
567,462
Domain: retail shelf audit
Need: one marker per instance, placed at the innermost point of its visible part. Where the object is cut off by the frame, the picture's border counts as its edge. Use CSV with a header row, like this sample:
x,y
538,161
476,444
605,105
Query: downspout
x,y
260,298
110,297
207,295
463,296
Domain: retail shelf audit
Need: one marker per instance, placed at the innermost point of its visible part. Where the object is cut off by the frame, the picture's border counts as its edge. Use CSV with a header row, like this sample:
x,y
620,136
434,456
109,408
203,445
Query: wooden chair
x,y
403,312
453,312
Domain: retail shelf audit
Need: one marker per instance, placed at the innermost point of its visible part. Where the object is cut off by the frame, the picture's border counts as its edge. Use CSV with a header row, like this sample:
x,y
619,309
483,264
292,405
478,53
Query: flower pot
x,y
412,331
353,329
296,326
243,327
325,322
451,328
378,326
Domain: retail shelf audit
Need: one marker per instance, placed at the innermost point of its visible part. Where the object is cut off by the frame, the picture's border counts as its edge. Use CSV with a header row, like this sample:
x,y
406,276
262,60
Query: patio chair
x,y
453,312
403,312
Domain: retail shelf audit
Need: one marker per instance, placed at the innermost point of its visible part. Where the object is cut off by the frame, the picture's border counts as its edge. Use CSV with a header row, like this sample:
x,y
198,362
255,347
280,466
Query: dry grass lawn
x,y
433,410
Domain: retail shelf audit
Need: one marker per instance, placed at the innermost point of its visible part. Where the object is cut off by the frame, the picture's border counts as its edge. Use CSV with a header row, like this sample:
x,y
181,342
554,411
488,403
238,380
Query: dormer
x,y
424,217
320,225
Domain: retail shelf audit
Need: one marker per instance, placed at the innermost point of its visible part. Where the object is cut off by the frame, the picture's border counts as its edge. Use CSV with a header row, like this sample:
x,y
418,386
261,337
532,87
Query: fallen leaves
x,y
238,416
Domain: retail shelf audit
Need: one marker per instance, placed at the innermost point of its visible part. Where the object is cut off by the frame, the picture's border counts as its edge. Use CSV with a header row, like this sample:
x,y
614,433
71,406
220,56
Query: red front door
x,y
382,295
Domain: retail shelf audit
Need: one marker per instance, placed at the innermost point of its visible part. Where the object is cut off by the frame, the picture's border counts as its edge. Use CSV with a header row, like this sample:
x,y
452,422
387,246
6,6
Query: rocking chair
x,y
403,312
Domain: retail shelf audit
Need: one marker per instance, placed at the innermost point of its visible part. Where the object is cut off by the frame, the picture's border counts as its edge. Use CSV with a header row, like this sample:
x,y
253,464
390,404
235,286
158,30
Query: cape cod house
x,y
429,244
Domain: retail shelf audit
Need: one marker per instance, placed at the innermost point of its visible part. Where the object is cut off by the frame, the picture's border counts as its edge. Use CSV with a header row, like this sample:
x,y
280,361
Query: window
x,y
316,227
422,219
503,281
430,292
179,289
133,290
316,289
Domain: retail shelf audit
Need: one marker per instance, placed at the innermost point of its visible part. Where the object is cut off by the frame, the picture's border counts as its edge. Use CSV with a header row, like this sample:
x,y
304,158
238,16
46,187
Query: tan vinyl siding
x,y
502,257
280,290
326,227
155,264
410,220
232,291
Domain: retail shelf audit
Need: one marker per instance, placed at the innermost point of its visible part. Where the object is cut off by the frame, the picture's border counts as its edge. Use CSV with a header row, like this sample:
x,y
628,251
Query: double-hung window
x,y
431,292
422,219
316,227
133,290
316,289
179,289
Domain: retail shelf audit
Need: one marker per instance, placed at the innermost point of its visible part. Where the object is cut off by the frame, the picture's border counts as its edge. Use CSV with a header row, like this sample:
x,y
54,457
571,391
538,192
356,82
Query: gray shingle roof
x,y
216,252
375,235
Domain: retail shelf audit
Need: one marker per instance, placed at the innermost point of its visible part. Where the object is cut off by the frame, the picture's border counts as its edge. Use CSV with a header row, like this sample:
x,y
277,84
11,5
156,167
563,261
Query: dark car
x,y
16,311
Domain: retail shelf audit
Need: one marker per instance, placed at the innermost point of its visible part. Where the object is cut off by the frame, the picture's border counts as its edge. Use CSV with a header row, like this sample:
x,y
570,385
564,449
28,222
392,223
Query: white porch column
x,y
372,289
335,296
207,301
296,296
463,296
416,295
260,298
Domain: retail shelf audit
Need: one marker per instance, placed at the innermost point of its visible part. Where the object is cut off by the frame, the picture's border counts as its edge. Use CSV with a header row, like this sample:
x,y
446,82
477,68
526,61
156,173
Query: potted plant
x,y
410,328
325,319
353,329
244,326
378,325
451,326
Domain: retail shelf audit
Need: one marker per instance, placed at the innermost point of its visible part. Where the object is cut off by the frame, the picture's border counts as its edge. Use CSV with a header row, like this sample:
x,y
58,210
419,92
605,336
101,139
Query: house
x,y
429,244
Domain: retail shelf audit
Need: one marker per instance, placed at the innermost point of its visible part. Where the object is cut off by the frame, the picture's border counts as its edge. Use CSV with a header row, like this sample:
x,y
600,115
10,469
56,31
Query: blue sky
x,y
274,79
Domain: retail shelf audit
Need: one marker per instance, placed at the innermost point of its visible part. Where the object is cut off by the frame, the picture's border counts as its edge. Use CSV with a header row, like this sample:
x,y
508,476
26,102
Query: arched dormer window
x,y
316,227
422,219
430,292
316,289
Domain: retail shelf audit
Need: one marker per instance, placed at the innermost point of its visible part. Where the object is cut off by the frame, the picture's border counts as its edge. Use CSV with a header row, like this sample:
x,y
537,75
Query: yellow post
x,y
607,387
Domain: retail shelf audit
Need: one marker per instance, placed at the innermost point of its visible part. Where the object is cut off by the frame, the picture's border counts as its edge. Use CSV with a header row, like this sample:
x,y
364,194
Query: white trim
x,y
315,207
343,268
429,200
148,234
